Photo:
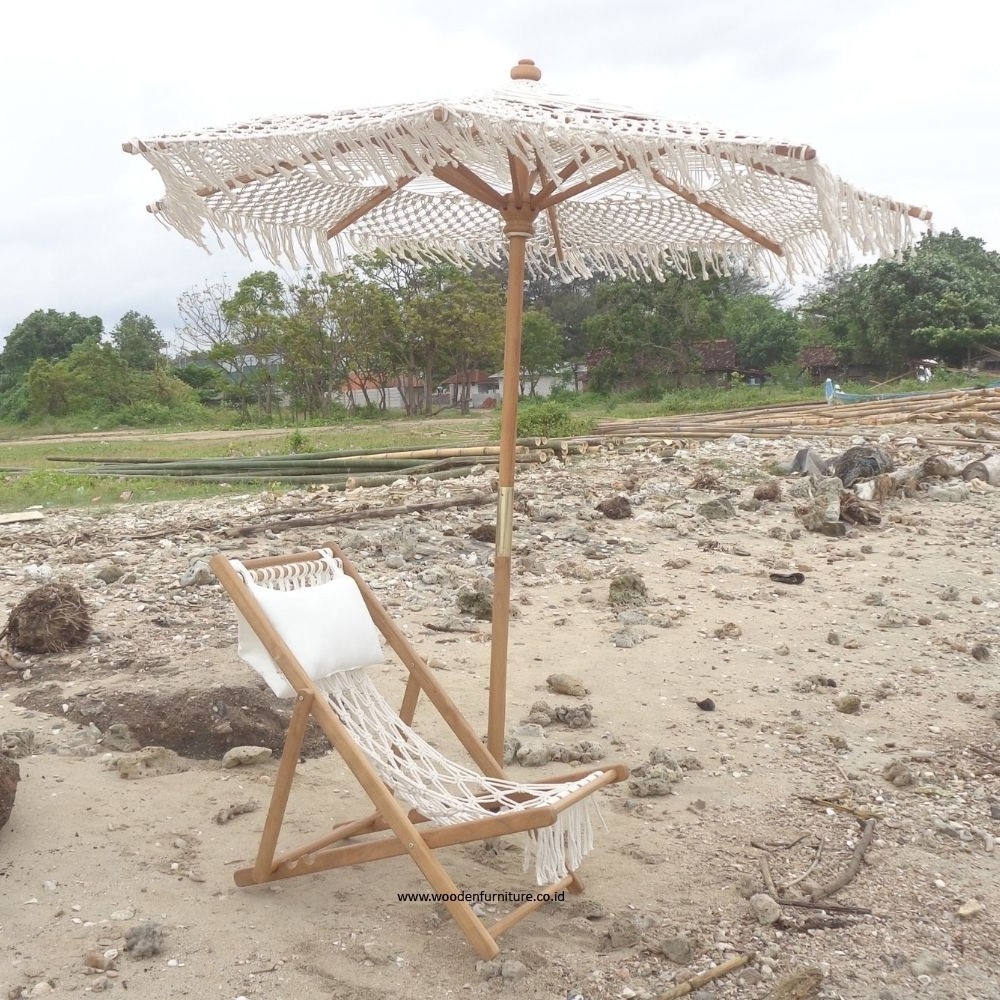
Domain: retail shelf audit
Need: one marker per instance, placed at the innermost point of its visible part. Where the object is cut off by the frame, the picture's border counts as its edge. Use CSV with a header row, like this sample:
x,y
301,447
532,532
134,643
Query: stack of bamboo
x,y
950,405
335,469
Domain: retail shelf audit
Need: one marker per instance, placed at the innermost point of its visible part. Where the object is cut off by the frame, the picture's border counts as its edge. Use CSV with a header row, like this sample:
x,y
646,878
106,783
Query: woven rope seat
x,y
419,775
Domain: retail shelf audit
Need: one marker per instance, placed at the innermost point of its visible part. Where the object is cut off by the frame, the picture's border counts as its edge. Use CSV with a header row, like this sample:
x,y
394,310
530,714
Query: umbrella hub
x,y
519,220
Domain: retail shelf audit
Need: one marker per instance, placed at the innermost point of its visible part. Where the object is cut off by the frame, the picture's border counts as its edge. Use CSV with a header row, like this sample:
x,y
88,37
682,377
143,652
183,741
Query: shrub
x,y
550,419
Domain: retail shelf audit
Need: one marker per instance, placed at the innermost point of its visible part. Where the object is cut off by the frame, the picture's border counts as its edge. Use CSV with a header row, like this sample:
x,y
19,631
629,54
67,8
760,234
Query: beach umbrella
x,y
521,178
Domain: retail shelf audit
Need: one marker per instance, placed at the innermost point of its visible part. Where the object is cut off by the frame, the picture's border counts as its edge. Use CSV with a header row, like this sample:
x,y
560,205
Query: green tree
x,y
642,332
764,334
941,297
541,347
457,319
48,335
138,341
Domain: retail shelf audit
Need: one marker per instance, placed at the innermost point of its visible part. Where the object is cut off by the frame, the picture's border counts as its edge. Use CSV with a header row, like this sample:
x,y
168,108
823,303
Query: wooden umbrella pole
x,y
505,493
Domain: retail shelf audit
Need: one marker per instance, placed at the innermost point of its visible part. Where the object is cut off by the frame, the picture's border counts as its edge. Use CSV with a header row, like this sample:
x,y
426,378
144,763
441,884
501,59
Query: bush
x,y
552,419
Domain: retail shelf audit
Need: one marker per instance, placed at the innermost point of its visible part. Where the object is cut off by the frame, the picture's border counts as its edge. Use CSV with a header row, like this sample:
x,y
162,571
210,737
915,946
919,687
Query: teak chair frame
x,y
398,826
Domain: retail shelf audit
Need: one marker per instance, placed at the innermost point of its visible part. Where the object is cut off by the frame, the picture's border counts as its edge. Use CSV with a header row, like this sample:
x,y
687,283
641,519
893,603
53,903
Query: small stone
x,y
848,704
706,705
980,652
623,933
489,969
566,684
242,756
199,575
970,908
679,949
765,909
511,968
378,953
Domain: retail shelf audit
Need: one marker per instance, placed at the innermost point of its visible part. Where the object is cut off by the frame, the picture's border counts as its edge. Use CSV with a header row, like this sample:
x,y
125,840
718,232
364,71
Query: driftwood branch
x,y
805,904
696,982
853,867
347,517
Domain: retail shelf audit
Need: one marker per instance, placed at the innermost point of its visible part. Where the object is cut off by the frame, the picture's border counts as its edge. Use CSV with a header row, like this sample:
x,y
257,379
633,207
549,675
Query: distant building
x,y
819,364
387,395
571,378
481,386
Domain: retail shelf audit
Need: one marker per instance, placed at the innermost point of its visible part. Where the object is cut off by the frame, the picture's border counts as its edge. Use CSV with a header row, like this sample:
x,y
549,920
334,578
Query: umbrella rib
x,y
468,182
365,207
718,214
913,211
595,181
520,184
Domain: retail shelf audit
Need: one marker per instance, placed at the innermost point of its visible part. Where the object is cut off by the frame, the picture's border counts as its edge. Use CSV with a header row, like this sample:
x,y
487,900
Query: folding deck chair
x,y
309,624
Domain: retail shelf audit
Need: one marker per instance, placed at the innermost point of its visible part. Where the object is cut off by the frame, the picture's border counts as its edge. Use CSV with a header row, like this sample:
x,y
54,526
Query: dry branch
x,y
346,517
852,869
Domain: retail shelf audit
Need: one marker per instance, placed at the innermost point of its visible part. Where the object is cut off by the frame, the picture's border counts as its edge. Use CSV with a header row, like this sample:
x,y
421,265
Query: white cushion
x,y
327,627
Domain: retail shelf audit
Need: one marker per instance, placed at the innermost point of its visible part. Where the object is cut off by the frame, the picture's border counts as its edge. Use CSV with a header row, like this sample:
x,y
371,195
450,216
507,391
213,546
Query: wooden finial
x,y
526,70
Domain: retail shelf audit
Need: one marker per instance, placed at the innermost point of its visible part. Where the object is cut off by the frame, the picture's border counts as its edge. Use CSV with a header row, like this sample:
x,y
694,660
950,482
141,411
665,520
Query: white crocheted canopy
x,y
605,189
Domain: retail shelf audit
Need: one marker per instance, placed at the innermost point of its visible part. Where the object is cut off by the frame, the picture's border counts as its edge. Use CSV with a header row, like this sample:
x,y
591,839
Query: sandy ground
x,y
902,614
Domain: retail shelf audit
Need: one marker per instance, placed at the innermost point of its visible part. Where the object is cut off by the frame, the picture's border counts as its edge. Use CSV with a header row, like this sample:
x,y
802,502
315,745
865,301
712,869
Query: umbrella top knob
x,y
526,70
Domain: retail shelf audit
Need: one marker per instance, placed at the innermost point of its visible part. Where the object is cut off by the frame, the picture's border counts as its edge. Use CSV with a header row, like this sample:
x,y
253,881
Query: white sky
x,y
899,97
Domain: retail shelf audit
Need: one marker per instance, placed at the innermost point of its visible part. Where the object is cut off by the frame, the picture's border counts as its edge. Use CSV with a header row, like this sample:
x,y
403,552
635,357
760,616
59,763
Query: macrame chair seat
x,y
309,625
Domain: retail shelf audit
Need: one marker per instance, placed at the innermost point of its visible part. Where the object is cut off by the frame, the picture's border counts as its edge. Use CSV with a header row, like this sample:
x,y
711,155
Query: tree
x,y
941,297
642,332
48,335
459,317
764,334
541,347
138,341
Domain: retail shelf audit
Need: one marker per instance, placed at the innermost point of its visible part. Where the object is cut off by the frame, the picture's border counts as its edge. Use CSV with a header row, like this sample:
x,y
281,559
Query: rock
x,y
378,953
110,573
17,743
717,510
239,756
10,775
511,968
199,575
624,932
533,753
899,774
615,508
574,716
145,939
476,600
566,684
970,908
652,780
679,949
149,762
848,704
862,462
489,969
118,737
627,589
764,908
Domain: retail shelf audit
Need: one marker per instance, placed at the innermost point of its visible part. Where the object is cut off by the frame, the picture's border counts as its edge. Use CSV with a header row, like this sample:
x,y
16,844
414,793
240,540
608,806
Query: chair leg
x,y
264,863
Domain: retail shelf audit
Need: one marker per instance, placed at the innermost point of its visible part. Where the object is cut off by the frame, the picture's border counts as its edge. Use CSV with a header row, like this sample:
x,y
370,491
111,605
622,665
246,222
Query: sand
x,y
866,691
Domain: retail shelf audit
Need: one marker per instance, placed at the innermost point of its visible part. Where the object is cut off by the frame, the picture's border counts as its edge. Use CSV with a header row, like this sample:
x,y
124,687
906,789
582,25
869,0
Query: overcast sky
x,y
899,97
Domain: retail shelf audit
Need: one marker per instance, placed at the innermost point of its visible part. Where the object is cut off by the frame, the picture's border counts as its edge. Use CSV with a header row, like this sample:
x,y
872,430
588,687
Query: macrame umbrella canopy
x,y
608,190
522,178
